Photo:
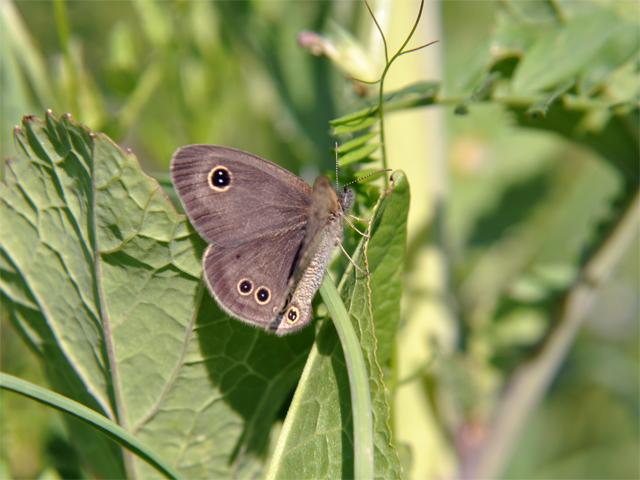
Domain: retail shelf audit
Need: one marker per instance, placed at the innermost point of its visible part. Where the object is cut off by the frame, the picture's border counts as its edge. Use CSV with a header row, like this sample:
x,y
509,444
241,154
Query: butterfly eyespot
x,y
263,295
219,178
293,314
245,287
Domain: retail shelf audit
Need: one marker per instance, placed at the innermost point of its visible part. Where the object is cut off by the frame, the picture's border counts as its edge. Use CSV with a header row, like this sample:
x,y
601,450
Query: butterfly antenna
x,y
366,176
337,187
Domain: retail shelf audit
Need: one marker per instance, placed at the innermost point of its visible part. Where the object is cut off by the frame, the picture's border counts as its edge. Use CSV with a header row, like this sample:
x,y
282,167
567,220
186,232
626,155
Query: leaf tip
x,y
398,178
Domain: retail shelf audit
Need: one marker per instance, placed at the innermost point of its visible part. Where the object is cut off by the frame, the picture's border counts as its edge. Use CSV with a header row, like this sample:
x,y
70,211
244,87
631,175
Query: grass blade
x,y
91,417
358,380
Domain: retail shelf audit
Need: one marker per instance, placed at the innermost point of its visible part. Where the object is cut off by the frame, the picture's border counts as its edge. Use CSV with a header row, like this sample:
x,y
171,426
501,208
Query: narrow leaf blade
x,y
317,441
357,155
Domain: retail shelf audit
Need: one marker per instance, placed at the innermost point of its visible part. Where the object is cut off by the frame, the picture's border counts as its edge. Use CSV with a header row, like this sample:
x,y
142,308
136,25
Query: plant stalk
x,y
358,380
528,385
91,417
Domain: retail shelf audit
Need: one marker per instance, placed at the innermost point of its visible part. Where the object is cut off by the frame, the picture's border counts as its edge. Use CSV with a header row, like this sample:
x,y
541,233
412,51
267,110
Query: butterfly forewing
x,y
234,197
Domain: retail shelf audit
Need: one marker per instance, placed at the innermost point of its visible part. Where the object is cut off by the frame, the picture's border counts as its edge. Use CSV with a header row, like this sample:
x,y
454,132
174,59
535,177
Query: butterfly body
x,y
271,235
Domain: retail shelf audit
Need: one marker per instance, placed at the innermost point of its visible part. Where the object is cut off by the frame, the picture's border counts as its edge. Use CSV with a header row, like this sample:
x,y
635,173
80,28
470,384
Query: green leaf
x,y
356,142
564,52
541,107
614,53
354,125
357,115
316,441
359,154
385,254
480,93
49,271
508,41
371,174
415,95
615,138
536,11
103,279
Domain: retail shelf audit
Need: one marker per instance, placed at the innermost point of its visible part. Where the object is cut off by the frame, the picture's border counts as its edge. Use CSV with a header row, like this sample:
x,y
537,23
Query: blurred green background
x,y
500,217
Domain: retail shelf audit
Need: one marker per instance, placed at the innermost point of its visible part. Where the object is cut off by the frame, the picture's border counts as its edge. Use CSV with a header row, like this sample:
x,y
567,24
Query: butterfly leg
x,y
351,260
353,226
360,219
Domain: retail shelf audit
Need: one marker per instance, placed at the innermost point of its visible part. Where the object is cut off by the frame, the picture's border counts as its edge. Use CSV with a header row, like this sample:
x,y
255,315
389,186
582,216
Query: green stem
x,y
531,380
358,380
570,102
383,143
91,417
62,24
541,107
382,77
20,41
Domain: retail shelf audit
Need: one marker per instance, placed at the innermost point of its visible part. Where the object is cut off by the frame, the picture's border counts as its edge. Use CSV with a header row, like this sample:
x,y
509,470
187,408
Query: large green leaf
x,y
101,277
385,254
565,52
317,438
618,49
49,272
507,41
616,138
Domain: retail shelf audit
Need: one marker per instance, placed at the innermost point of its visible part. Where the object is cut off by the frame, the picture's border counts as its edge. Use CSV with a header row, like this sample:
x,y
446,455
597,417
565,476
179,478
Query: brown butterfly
x,y
271,235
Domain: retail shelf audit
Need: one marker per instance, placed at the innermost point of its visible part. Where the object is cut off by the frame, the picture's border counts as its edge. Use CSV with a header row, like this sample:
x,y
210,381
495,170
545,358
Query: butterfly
x,y
270,234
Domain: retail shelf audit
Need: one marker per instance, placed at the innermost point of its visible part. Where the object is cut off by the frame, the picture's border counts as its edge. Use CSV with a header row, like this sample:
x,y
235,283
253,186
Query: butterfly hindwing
x,y
251,281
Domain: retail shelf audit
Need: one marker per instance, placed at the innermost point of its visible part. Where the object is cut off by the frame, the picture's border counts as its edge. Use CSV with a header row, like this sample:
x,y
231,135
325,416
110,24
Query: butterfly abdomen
x,y
298,312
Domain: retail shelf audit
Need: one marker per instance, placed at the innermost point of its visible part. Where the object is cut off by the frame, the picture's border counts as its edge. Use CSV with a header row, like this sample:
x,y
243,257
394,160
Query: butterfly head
x,y
346,199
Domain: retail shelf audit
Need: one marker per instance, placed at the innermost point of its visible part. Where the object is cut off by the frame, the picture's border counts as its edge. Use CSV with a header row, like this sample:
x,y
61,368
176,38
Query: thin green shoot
x,y
388,64
91,417
418,48
384,40
358,381
361,81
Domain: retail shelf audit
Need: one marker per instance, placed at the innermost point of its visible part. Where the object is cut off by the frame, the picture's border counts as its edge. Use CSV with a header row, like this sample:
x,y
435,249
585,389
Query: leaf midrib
x,y
95,393
176,370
